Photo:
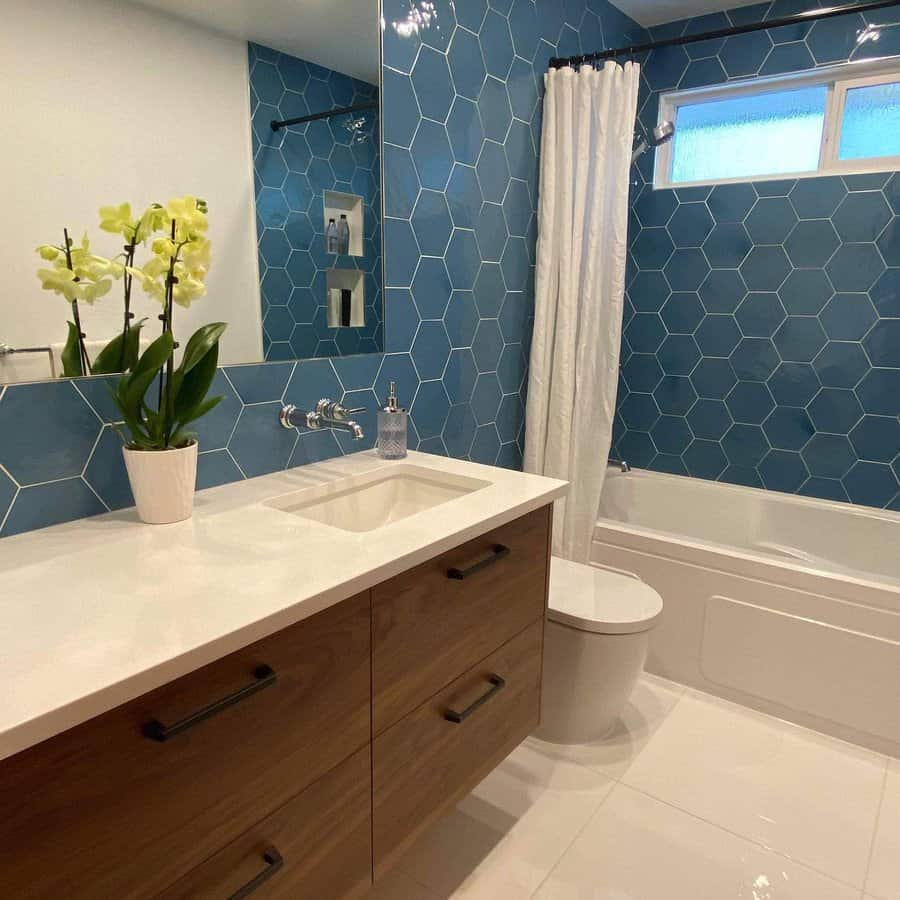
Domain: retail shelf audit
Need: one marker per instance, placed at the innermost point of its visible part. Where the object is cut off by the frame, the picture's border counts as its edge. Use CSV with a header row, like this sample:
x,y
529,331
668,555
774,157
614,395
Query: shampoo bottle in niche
x,y
392,421
343,236
331,237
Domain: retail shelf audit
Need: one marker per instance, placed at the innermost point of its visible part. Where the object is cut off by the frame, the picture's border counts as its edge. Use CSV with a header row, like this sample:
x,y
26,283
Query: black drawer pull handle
x,y
497,685
497,553
274,861
156,731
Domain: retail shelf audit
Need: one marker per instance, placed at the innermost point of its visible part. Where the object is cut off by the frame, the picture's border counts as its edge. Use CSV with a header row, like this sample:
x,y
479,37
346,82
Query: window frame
x,y
839,79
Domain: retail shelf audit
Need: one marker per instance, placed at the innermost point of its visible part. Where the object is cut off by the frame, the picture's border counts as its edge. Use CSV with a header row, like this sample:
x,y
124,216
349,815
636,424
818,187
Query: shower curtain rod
x,y
812,15
373,104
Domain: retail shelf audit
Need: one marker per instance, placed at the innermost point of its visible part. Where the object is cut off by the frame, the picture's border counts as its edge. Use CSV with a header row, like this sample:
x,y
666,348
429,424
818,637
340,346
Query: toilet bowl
x,y
595,646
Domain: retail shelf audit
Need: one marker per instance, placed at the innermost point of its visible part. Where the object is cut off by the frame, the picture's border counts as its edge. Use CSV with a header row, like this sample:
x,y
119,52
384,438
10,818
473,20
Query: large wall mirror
x,y
267,111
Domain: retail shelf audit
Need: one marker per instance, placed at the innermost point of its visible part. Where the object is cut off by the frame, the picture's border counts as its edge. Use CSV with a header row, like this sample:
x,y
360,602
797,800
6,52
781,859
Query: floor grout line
x,y
881,800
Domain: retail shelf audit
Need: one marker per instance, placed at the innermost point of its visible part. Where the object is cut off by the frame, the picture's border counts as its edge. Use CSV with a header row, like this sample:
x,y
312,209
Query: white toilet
x,y
594,649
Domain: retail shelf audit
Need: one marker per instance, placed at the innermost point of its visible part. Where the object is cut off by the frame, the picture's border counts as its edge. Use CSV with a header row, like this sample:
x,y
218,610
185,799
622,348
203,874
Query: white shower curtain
x,y
586,146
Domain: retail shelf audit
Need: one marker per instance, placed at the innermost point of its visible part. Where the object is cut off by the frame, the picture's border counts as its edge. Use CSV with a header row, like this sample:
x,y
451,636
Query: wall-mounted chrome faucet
x,y
327,414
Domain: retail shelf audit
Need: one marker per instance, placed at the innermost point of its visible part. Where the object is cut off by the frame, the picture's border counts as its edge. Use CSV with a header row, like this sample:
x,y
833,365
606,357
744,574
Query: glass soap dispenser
x,y
392,421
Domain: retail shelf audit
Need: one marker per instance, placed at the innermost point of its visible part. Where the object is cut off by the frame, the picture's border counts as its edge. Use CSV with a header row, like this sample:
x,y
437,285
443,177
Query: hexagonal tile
x,y
876,438
486,398
459,430
655,208
717,335
805,292
882,344
878,391
782,470
431,288
486,446
463,259
430,350
490,232
675,395
517,207
709,419
487,345
817,198
648,291
794,384
834,40
686,270
493,172
760,314
665,67
678,354
400,263
494,109
812,243
461,318
520,152
431,223
690,225
788,428
745,445
872,484
639,411
671,434
828,455
841,364
705,459
754,359
430,408
401,109
460,376
885,294
652,248
713,378
511,368
722,291
847,317
464,196
489,290
432,155
642,372
522,88
835,410
465,131
743,54
682,313
730,203
727,245
495,35
889,243
466,64
701,73
855,267
771,220
749,402
861,217
515,264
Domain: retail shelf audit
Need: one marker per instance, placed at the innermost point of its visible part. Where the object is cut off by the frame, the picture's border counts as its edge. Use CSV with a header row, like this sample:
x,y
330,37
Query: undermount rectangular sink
x,y
379,498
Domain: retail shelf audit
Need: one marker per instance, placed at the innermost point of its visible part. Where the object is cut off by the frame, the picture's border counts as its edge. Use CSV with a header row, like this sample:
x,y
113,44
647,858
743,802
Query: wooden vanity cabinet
x,y
302,764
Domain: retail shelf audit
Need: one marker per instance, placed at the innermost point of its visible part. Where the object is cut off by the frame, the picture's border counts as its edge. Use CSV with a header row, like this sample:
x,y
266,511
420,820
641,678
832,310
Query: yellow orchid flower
x,y
49,252
118,220
60,281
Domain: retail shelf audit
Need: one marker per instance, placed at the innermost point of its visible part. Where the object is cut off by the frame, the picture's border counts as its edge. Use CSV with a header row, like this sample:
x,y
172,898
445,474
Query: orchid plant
x,y
174,275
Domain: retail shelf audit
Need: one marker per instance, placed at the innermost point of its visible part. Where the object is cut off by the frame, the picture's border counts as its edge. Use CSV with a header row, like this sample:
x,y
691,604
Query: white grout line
x,y
881,800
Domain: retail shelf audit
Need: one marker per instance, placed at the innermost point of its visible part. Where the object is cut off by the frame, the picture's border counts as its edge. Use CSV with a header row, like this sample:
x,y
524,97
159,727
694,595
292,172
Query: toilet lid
x,y
600,600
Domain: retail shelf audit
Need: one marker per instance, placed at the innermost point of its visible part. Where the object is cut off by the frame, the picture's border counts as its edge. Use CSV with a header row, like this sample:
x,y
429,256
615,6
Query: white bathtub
x,y
782,603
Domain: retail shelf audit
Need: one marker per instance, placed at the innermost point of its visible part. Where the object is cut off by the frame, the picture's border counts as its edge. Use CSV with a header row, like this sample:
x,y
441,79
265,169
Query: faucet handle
x,y
331,409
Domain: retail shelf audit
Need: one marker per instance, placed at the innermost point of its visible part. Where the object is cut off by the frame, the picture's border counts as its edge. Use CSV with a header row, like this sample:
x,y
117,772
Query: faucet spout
x,y
327,414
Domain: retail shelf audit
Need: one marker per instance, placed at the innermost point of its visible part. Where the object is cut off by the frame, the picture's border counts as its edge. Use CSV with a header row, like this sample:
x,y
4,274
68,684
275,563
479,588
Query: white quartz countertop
x,y
96,612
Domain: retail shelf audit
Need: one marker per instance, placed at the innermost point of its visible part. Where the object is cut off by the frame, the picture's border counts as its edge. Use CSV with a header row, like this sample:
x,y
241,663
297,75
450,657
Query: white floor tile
x,y
805,795
505,837
652,700
637,848
884,871
397,886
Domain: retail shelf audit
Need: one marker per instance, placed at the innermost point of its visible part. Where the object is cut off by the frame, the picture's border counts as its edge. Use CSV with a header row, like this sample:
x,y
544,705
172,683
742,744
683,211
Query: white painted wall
x,y
102,102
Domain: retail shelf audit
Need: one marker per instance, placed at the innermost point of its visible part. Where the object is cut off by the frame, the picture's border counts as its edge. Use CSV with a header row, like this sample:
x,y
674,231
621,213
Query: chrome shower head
x,y
661,134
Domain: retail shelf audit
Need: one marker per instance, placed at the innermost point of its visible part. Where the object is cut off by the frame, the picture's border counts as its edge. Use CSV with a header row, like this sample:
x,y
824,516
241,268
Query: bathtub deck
x,y
692,797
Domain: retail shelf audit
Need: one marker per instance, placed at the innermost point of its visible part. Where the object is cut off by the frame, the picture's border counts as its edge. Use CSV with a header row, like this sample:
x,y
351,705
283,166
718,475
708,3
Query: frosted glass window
x,y
871,124
740,137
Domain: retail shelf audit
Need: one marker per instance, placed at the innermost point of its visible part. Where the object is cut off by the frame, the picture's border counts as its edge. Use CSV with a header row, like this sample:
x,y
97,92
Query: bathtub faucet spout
x,y
621,463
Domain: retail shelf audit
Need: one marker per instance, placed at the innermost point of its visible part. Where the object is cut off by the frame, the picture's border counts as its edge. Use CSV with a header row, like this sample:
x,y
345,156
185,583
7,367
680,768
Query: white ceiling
x,y
340,34
658,12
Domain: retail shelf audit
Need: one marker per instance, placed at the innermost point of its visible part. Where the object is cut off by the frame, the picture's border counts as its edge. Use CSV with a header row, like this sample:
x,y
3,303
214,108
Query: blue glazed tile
x,y
817,198
709,419
744,54
855,267
824,489
754,359
460,376
515,318
642,372
682,313
486,446
512,368
486,398
672,465
749,402
8,490
256,384
430,408
861,217
876,438
828,455
671,435
400,264
690,225
742,475
722,291
648,291
782,470
805,292
701,73
718,335
488,345
730,203
878,391
799,339
727,245
106,473
490,232
678,354
745,445
835,410
490,290
665,67
51,504
882,344
705,459
97,392
432,155
259,444
401,110
652,248
892,194
431,223
841,364
637,448
520,152
760,314
872,484
493,172
833,40
526,33
432,84
47,431
794,384
356,372
312,380
517,208
216,467
885,294
510,417
788,428
465,131
431,288
496,42
430,350
655,208
510,457
639,411
686,270
515,265
461,318
402,320
784,58
464,196
675,395
462,260
765,268
522,89
847,317
889,243
770,221
459,430
713,378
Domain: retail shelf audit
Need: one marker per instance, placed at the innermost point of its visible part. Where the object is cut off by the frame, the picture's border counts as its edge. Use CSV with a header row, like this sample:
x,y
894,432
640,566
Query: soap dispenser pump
x,y
392,428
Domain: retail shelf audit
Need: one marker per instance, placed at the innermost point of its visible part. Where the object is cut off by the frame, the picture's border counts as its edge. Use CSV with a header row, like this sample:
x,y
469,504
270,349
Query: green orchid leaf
x,y
121,353
200,410
202,340
71,354
195,385
133,387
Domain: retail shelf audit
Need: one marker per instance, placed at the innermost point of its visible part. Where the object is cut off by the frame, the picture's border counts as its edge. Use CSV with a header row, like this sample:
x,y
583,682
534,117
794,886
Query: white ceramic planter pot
x,y
163,483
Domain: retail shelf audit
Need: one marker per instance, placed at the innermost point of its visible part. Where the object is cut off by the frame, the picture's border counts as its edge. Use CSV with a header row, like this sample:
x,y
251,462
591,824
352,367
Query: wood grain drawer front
x,y
104,811
425,763
317,847
429,628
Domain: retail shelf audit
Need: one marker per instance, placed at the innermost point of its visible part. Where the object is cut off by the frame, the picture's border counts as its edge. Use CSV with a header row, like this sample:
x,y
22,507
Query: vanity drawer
x,y
429,627
426,763
316,847
104,810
